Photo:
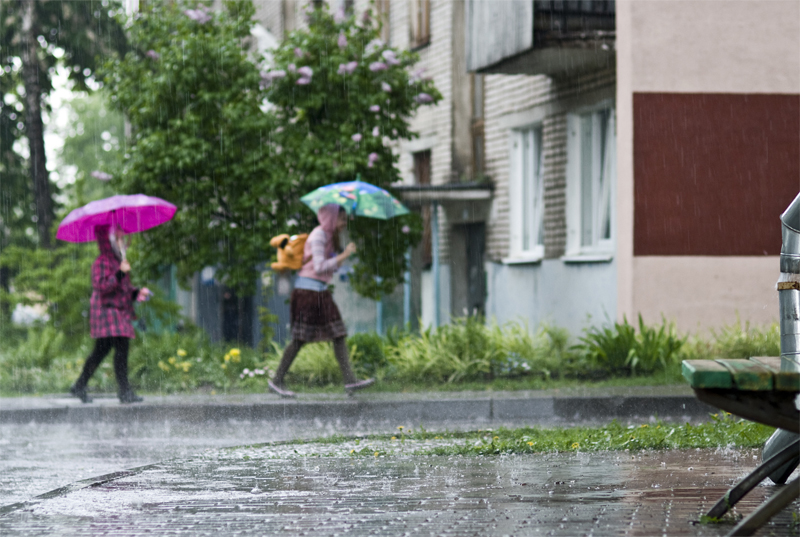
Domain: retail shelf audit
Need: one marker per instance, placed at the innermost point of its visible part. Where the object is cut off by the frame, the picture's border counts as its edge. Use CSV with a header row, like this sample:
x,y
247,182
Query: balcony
x,y
540,37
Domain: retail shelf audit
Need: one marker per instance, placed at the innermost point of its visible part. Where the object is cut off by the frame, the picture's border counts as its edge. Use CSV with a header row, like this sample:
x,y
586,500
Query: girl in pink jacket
x,y
314,314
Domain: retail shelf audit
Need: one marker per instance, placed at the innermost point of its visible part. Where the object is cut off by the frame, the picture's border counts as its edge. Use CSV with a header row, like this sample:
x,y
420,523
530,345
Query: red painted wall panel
x,y
713,172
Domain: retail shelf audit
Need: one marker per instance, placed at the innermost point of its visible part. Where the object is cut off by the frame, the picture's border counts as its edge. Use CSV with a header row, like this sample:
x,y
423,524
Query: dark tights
x,y
339,350
101,348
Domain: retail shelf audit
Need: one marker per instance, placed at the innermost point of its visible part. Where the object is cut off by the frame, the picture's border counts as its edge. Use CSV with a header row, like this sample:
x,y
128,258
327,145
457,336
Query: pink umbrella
x,y
132,214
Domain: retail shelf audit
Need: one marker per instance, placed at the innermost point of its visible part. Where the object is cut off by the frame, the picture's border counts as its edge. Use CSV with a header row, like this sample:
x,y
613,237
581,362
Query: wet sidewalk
x,y
545,406
321,489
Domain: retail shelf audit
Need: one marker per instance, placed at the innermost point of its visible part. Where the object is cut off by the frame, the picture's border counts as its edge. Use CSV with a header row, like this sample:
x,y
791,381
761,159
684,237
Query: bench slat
x,y
748,375
706,374
785,381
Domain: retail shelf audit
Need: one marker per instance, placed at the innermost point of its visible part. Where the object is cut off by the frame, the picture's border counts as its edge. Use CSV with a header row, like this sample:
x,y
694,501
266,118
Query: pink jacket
x,y
319,256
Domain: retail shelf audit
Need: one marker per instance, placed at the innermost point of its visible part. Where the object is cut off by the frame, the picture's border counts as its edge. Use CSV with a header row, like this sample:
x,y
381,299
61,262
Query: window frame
x,y
526,192
419,24
603,154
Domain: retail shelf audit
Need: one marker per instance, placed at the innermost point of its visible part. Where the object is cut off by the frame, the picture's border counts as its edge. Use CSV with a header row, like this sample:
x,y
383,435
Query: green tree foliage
x,y
93,140
343,98
206,139
36,37
201,140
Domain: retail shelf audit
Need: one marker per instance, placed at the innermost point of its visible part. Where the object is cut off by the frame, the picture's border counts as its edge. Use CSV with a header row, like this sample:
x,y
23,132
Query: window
x,y
422,176
526,194
420,22
383,10
591,173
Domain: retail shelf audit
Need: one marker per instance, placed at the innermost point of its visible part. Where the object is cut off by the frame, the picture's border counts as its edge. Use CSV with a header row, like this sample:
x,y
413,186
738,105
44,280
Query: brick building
x,y
591,160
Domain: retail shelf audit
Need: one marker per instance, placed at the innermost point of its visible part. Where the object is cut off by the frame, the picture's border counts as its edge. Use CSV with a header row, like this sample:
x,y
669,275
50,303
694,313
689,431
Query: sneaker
x,y
130,397
280,390
360,385
80,393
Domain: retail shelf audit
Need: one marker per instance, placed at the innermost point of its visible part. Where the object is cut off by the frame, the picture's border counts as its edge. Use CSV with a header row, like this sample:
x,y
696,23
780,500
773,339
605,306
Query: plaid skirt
x,y
315,316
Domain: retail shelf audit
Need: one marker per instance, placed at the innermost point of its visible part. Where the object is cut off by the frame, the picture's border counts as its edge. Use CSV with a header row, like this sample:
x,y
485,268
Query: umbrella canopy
x,y
132,214
358,199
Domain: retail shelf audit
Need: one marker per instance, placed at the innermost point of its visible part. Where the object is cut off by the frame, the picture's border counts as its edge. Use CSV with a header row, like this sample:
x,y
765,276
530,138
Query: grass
x,y
721,431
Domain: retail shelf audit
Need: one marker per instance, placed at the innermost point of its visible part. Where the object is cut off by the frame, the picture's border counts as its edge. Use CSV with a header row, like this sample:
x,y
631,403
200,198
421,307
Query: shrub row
x,y
468,349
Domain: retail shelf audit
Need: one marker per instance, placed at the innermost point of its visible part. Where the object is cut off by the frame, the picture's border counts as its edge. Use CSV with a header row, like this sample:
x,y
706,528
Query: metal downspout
x,y
789,307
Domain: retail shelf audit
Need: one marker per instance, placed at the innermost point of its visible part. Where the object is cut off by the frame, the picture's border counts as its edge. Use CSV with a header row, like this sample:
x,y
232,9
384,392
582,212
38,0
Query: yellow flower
x,y
181,353
643,426
224,366
186,366
376,453
400,428
162,366
227,357
394,438
213,392
496,438
234,352
172,360
530,443
352,451
575,445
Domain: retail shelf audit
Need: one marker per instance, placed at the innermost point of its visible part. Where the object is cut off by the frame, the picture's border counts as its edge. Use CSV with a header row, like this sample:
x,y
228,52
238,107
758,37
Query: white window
x,y
591,174
526,195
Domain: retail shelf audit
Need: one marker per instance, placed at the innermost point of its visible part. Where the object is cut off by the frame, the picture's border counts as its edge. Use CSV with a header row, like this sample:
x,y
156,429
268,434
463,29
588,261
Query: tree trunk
x,y
34,125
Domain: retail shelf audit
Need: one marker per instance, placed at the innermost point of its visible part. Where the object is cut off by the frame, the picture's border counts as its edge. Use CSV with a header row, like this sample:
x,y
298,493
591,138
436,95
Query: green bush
x,y
366,352
37,360
619,350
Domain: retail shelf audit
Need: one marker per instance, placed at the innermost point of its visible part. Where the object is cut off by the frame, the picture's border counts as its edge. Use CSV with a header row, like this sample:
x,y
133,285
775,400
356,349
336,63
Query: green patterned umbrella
x,y
358,198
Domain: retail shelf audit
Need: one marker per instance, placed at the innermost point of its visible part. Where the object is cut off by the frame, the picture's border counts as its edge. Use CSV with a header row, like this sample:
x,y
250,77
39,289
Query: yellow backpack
x,y
290,251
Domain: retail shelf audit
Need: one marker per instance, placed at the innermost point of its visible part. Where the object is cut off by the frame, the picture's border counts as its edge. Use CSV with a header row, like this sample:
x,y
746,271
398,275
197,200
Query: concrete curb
x,y
414,410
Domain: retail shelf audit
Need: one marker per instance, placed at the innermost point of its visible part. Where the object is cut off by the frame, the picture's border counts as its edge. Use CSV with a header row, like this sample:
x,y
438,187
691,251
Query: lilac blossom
x,y
342,41
386,87
152,54
372,46
305,71
372,159
390,57
377,66
298,52
102,176
405,229
375,108
268,76
416,76
339,16
347,68
291,68
376,132
200,16
303,81
356,137
423,98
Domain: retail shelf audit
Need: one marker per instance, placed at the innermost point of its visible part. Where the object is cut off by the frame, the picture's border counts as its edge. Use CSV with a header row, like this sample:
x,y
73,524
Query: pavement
x,y
321,490
165,467
544,406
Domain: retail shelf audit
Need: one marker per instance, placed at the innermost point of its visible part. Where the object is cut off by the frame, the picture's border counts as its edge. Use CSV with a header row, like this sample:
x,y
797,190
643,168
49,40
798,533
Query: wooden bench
x,y
757,390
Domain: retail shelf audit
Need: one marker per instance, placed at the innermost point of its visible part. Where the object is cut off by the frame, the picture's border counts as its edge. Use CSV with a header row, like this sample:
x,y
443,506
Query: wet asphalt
x,y
190,478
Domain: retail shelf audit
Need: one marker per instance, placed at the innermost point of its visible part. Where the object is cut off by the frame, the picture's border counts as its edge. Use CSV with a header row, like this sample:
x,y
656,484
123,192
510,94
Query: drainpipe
x,y
789,307
435,264
407,293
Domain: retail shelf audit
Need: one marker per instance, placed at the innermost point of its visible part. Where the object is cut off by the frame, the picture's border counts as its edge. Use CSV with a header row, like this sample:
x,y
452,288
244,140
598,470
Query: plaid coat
x,y
111,306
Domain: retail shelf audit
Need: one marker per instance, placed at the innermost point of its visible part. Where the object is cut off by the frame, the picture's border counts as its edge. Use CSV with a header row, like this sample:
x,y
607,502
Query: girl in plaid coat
x,y
111,314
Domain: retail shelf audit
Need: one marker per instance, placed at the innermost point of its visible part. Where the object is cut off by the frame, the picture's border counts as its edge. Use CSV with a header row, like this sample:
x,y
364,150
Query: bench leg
x,y
750,482
759,517
779,440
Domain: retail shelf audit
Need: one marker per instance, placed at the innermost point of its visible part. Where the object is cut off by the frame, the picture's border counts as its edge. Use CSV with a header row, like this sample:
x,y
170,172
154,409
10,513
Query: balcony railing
x,y
539,36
